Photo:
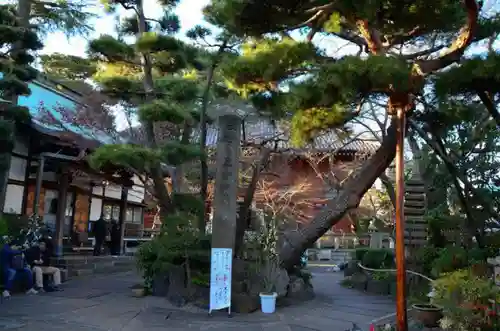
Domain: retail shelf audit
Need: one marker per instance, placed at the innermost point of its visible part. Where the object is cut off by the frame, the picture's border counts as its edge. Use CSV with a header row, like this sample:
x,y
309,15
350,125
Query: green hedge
x,y
379,258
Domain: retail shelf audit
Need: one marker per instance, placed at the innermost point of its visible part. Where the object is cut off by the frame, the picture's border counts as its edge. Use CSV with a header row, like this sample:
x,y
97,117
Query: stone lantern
x,y
495,262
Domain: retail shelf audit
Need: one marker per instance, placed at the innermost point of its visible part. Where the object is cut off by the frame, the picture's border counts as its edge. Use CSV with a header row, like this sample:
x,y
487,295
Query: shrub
x,y
478,255
179,244
359,253
465,298
378,258
425,258
4,227
450,258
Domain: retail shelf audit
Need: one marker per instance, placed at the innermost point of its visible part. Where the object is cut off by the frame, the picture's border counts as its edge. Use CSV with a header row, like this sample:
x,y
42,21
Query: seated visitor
x,y
13,263
38,258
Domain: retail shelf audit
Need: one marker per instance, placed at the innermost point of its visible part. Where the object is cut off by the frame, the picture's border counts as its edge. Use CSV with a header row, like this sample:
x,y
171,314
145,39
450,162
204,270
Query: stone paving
x,y
106,303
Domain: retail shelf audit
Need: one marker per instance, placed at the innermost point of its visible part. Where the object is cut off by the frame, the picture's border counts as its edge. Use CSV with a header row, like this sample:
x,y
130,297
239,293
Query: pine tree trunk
x,y
160,188
297,241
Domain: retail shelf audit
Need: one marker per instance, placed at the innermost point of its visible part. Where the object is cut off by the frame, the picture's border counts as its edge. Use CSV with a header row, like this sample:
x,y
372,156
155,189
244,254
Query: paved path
x,y
105,303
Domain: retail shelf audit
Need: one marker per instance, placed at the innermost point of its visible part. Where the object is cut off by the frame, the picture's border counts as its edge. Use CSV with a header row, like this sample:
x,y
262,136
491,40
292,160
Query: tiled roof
x,y
258,130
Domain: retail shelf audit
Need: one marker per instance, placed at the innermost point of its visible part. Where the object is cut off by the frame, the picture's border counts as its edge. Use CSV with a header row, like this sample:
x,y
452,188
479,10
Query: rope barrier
x,y
394,270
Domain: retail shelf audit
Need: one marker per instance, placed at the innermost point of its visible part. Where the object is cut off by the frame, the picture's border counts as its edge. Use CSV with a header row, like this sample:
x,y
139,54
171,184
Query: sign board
x,y
220,278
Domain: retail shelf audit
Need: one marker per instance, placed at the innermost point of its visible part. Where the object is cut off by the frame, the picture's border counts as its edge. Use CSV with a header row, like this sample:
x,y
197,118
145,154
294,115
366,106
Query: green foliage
x,y
378,259
176,153
188,203
4,230
265,62
425,257
466,299
68,66
123,88
111,49
68,16
383,276
181,89
475,74
309,123
179,244
168,111
332,25
449,259
17,43
123,155
359,253
255,18
154,42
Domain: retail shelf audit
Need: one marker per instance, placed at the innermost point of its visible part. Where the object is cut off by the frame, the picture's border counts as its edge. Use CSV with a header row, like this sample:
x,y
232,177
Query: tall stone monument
x,y
226,180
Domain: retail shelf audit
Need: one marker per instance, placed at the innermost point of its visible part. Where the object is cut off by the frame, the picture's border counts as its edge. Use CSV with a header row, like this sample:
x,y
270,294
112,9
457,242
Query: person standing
x,y
100,233
115,238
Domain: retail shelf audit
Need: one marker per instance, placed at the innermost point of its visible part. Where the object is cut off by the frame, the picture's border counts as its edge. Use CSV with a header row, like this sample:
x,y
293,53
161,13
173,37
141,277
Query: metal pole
x,y
402,320
38,187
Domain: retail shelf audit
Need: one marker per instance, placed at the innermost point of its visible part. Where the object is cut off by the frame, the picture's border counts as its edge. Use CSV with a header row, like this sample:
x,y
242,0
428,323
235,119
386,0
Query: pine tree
x,y
288,71
156,74
17,41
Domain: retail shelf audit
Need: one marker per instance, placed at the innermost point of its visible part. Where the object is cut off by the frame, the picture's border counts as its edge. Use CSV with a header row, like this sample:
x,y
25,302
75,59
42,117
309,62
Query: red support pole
x,y
402,320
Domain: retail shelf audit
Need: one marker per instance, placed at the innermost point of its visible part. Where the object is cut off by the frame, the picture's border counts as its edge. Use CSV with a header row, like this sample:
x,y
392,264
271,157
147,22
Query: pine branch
x,y
458,46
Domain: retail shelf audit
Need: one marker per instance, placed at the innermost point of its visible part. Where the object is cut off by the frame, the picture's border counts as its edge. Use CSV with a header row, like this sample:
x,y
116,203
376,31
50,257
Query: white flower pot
x,y
268,302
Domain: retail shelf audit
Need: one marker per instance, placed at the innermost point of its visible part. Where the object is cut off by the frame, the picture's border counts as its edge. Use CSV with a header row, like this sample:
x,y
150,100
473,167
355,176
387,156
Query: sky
x,y
189,12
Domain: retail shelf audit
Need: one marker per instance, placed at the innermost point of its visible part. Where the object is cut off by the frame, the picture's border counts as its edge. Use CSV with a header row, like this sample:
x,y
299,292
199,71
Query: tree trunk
x,y
160,188
297,241
244,209
389,187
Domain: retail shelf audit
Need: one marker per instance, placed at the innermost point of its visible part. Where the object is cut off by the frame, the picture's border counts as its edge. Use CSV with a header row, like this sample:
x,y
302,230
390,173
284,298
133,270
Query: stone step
x,y
414,189
413,182
414,211
416,227
414,197
101,269
88,265
415,203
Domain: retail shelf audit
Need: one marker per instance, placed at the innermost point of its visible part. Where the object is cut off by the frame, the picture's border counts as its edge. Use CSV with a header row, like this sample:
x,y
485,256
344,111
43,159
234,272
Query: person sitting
x,y
38,258
13,263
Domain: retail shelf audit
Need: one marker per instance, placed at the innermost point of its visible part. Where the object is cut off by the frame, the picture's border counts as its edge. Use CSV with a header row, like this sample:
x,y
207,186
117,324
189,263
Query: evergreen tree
x,y
156,74
17,42
287,70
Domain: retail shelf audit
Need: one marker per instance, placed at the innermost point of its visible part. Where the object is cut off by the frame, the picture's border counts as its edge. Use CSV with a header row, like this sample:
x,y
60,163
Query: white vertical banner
x,y
220,278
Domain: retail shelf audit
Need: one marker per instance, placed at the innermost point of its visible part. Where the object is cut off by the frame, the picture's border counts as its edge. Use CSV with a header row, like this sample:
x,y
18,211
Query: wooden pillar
x,y
401,313
64,179
123,216
27,177
38,186
226,182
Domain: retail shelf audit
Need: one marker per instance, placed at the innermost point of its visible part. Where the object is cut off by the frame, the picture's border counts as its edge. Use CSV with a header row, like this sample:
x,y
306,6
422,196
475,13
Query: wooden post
x,y
64,179
401,318
38,186
123,216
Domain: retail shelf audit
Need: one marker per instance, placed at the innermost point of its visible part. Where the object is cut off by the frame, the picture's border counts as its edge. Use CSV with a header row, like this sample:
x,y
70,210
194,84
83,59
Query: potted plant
x,y
268,263
269,277
428,314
